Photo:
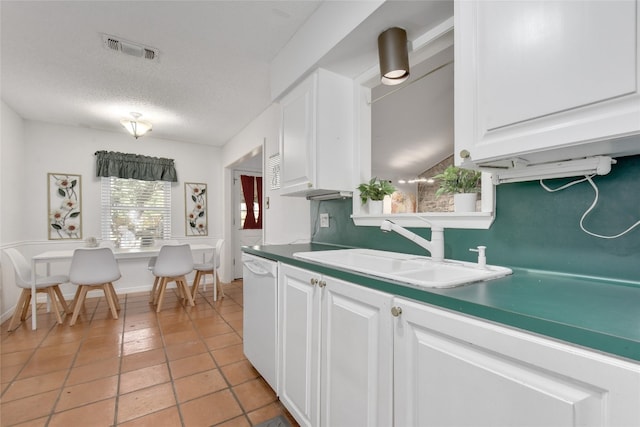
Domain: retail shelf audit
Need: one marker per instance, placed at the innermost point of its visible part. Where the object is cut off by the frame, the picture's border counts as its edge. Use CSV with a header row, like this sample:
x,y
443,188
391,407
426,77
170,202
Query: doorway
x,y
244,236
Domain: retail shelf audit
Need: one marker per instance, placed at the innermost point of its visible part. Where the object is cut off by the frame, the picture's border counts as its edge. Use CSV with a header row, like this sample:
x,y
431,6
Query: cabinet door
x,y
357,356
453,370
299,315
533,76
297,139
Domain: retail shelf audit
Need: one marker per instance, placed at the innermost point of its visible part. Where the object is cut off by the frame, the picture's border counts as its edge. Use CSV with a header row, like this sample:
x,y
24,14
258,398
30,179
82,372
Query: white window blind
x,y
135,213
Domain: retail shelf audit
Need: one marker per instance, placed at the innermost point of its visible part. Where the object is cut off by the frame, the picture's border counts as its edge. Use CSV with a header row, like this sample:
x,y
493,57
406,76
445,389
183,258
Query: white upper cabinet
x,y
316,136
546,80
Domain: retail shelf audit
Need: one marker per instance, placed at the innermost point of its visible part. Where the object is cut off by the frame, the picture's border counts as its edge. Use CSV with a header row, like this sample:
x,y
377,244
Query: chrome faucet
x,y
435,246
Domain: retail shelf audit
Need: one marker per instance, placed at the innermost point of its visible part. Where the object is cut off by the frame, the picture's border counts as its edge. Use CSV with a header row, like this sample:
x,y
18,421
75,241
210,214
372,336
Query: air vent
x,y
117,44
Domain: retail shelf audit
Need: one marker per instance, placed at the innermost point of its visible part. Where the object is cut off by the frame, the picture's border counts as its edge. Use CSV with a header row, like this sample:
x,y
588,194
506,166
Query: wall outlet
x,y
324,220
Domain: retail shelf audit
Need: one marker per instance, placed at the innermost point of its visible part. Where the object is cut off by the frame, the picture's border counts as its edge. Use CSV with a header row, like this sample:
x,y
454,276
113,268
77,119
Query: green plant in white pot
x,y
373,192
464,184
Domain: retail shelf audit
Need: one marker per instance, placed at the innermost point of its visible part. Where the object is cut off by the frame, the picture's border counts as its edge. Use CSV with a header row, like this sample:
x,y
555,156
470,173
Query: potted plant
x,y
464,184
373,192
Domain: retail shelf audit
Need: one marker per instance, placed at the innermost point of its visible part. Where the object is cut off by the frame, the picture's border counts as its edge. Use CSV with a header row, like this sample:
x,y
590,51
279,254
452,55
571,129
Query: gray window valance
x,y
135,166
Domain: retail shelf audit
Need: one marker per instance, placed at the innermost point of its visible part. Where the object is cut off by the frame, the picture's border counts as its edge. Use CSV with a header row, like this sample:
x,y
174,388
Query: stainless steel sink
x,y
420,271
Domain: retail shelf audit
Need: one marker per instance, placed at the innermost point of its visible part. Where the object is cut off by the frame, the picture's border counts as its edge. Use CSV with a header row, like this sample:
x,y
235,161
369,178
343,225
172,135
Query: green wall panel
x,y
533,228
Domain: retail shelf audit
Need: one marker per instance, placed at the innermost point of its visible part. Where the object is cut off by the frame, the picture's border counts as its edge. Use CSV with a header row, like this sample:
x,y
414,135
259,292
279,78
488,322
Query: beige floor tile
x,y
86,357
141,334
145,401
214,329
224,340
191,365
15,358
98,414
40,422
239,372
254,394
180,337
44,365
185,349
93,371
9,373
210,409
35,385
143,378
140,345
165,418
229,355
89,392
29,408
143,359
77,371
199,384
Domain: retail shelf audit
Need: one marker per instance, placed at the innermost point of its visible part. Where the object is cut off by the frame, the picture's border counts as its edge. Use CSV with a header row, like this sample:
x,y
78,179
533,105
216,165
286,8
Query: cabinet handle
x,y
313,281
465,154
322,283
396,311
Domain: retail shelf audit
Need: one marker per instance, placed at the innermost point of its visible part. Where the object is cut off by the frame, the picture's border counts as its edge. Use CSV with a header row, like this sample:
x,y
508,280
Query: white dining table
x,y
119,253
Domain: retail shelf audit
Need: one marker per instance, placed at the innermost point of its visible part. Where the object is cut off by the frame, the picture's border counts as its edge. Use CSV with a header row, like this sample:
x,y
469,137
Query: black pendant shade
x,y
393,56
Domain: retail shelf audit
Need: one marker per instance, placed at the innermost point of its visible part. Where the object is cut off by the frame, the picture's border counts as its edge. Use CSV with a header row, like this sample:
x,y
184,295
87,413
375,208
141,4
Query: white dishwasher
x,y
260,318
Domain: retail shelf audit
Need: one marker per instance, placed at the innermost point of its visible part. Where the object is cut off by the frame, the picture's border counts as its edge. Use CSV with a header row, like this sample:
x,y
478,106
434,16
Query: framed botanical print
x,y
65,206
195,201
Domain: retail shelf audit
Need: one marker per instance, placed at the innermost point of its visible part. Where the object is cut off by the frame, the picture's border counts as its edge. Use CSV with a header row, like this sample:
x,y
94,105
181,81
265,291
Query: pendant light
x,y
136,127
393,56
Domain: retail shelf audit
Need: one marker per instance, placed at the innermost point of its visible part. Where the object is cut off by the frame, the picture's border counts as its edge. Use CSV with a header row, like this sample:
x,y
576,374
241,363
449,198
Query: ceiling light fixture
x,y
393,56
136,127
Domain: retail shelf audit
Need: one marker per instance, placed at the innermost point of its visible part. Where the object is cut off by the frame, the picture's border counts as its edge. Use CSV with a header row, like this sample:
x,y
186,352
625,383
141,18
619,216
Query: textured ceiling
x,y
211,78
210,81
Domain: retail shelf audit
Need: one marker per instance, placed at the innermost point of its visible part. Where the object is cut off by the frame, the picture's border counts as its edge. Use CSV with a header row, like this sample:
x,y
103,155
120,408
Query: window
x,y
135,213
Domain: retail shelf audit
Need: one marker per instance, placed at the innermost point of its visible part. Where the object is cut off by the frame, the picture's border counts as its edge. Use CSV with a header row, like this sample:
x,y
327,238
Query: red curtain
x,y
259,190
248,189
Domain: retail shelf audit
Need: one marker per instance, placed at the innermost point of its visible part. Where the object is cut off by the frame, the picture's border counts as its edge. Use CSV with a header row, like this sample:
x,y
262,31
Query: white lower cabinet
x,y
336,362
345,360
454,370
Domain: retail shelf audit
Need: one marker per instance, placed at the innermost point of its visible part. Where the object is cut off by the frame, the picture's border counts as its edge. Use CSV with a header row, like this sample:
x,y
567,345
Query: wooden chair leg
x,y
182,282
196,283
63,303
114,295
18,313
26,307
76,297
152,297
54,303
163,286
109,296
79,304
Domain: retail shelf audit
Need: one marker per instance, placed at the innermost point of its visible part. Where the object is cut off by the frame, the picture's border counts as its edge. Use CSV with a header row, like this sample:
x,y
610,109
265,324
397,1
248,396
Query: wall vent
x,y
118,44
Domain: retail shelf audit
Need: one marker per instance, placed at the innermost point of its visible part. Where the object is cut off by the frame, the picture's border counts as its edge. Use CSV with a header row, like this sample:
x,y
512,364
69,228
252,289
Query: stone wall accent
x,y
427,200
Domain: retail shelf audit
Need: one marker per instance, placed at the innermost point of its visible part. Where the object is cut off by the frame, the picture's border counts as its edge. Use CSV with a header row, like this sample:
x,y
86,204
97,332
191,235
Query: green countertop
x,y
595,313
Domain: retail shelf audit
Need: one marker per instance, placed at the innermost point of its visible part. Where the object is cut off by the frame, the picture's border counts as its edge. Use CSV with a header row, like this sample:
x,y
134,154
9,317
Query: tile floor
x,y
180,367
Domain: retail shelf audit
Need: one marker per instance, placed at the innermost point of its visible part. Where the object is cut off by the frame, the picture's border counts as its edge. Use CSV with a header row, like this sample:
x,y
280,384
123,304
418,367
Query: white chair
x,y
152,263
93,269
44,284
210,267
173,264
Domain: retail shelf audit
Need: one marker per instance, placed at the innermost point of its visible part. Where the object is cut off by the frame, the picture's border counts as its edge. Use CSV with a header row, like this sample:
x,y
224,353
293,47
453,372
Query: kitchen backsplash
x,y
533,228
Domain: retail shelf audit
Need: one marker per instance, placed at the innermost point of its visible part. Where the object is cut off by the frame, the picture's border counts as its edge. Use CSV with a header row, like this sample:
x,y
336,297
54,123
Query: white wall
x,y
12,174
47,148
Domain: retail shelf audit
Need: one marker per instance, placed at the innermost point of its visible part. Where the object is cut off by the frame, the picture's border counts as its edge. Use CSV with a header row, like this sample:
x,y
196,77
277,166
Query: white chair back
x,y
21,267
93,267
174,261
